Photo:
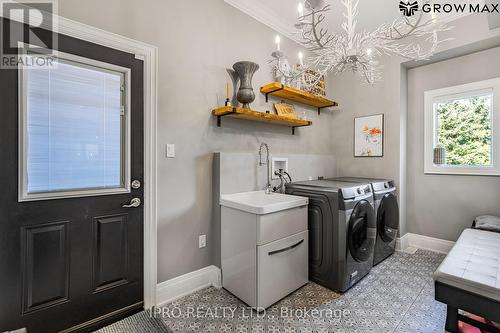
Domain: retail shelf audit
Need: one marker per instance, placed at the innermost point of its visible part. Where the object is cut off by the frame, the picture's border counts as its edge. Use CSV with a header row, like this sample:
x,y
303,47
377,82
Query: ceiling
x,y
281,15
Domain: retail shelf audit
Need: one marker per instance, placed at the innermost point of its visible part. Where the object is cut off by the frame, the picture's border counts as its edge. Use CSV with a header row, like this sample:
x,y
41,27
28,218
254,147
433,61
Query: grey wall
x,y
356,99
443,205
197,41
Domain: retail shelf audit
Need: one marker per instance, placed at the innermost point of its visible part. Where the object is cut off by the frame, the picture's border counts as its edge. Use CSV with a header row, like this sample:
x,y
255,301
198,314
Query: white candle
x,y
301,59
300,9
277,40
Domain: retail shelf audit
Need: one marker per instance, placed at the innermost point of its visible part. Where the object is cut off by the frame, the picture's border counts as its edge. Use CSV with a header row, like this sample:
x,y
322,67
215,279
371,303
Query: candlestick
x,y
228,101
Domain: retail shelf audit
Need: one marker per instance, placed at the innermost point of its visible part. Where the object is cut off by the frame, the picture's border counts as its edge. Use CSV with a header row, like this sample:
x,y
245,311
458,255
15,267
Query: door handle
x,y
134,203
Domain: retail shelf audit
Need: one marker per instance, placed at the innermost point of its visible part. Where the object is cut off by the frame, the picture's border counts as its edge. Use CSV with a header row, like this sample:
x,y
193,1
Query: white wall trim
x,y
260,12
186,284
149,54
256,10
423,242
402,243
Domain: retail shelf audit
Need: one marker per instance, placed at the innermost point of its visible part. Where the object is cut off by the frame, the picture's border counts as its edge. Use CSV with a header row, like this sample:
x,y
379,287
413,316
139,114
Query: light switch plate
x,y
170,150
202,241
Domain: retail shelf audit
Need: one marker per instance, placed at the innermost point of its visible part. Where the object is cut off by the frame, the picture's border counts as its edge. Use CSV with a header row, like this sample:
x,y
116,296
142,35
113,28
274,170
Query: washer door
x,y
388,218
359,240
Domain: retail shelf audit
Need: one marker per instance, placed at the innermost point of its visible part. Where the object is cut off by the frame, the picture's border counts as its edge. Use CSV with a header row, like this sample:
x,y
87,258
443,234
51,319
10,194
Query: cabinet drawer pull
x,y
286,248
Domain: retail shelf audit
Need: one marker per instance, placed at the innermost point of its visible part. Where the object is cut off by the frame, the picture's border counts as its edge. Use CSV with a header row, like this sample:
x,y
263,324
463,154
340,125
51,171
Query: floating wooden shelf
x,y
296,95
247,114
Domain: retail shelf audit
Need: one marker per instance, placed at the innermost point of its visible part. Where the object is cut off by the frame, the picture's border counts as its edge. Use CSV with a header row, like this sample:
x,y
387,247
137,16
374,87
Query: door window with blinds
x,y
74,129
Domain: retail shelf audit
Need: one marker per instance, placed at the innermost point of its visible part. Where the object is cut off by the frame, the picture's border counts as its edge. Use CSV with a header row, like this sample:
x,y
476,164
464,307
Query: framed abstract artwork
x,y
369,136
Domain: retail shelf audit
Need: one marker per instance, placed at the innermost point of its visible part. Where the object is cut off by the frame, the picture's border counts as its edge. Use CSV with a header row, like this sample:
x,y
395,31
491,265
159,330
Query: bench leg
x,y
451,319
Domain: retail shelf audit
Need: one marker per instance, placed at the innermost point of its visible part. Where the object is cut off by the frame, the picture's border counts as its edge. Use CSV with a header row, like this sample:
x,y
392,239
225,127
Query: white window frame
x,y
125,186
475,88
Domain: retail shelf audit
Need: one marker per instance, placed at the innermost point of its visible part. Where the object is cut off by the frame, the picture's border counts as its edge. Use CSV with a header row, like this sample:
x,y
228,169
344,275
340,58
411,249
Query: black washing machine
x,y
341,231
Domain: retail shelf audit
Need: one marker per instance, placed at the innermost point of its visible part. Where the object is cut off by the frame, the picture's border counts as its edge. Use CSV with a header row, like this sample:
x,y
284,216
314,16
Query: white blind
x,y
74,128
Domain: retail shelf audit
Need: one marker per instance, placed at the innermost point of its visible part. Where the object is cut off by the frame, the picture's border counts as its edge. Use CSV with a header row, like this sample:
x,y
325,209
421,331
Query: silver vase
x,y
236,81
245,70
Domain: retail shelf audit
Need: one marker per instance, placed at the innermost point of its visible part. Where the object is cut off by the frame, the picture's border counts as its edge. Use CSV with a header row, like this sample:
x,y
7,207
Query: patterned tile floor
x,y
397,296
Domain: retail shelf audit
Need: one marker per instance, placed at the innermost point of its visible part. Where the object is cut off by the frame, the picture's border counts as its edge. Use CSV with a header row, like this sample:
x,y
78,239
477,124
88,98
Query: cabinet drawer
x,y
282,268
274,226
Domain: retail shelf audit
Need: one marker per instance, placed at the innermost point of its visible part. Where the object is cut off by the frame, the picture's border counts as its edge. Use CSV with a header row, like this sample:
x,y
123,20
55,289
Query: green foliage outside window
x,y
464,130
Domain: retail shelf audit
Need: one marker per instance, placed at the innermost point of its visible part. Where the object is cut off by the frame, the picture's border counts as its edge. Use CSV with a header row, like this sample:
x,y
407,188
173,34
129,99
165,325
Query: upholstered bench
x,y
469,279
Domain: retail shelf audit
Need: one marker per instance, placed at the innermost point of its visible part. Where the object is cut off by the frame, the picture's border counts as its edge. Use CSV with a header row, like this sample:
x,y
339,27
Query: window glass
x,y
463,131
73,128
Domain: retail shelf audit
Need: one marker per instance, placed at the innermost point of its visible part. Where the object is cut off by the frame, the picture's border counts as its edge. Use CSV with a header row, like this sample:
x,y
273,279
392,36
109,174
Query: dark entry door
x,y
71,254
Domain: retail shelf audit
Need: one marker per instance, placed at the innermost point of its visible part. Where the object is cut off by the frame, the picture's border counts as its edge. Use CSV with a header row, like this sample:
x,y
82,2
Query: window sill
x,y
463,172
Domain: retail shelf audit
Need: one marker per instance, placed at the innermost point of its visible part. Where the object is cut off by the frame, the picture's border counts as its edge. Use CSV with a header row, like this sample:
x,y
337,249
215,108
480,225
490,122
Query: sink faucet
x,y
268,181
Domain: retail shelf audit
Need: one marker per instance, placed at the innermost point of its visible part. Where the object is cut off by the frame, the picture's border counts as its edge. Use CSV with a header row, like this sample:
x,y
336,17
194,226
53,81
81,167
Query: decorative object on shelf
x,y
440,155
245,70
303,115
314,83
369,136
247,114
228,101
358,51
235,79
285,110
281,70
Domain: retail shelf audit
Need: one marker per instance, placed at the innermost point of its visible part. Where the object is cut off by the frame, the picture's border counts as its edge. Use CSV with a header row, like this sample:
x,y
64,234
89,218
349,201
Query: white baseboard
x,y
423,242
186,284
402,243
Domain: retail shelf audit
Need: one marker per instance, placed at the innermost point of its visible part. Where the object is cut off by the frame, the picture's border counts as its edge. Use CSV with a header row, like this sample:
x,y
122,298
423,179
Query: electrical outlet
x,y
202,241
170,150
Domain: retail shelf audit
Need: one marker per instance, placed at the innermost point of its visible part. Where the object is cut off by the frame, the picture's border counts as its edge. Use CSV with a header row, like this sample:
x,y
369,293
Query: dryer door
x,y
360,235
388,218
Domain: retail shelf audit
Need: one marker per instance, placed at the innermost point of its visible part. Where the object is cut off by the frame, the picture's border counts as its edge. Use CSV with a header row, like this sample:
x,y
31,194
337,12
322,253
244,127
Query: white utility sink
x,y
260,203
264,246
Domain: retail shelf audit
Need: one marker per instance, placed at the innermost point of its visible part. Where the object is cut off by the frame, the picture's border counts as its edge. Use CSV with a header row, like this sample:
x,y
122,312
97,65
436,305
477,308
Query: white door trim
x,y
149,54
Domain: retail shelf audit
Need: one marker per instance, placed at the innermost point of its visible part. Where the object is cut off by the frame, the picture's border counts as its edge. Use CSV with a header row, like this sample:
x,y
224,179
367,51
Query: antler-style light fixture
x,y
410,36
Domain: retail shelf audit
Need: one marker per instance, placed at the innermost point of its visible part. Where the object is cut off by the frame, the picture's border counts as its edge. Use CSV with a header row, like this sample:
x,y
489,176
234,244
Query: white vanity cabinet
x,y
264,246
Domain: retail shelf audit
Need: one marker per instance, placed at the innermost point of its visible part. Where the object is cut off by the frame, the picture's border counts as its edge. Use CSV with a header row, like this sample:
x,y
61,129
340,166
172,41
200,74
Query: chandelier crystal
x,y
411,37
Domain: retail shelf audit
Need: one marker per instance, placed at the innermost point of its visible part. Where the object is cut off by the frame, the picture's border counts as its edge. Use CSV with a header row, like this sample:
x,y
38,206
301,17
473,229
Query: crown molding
x,y
257,10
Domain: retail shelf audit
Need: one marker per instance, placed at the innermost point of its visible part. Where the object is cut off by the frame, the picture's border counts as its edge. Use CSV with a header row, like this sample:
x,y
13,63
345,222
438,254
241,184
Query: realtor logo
x,y
28,28
408,8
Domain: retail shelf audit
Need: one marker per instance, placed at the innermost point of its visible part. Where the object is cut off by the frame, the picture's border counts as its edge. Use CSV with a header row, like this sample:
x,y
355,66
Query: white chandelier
x,y
410,37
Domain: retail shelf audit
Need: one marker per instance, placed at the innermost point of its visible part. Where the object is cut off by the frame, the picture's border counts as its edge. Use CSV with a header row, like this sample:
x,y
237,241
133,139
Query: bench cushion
x,y
487,222
473,264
